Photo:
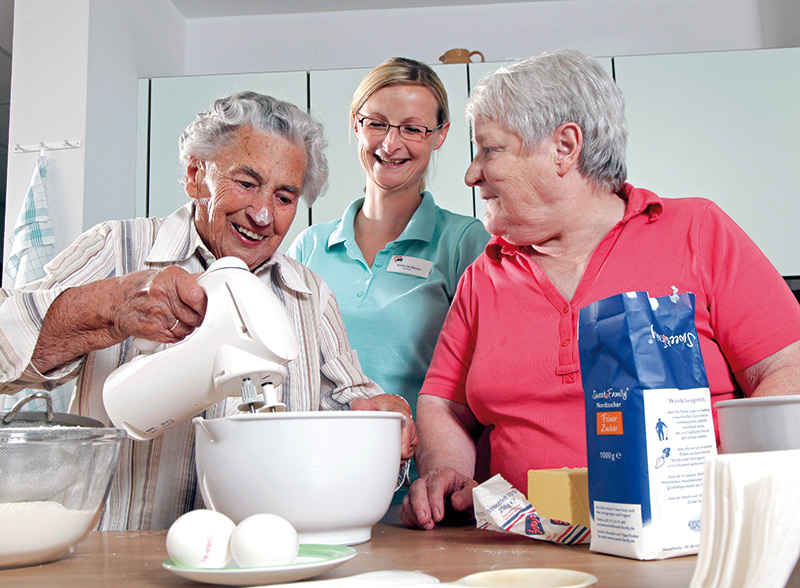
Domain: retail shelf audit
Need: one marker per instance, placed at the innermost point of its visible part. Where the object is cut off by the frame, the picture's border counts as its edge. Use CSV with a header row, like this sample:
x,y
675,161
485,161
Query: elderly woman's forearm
x,y
74,325
446,436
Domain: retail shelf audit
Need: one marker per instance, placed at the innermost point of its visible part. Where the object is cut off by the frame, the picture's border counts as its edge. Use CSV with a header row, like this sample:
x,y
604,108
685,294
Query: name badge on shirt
x,y
412,266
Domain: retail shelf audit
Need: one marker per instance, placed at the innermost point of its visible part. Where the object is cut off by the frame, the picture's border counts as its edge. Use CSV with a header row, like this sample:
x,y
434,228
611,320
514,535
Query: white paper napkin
x,y
750,522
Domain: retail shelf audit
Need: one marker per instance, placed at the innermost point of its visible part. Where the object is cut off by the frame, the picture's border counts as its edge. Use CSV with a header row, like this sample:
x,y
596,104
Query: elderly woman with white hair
x,y
550,139
248,160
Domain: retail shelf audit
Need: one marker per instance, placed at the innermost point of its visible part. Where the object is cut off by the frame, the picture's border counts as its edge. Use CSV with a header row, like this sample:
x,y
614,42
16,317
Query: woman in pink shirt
x,y
550,140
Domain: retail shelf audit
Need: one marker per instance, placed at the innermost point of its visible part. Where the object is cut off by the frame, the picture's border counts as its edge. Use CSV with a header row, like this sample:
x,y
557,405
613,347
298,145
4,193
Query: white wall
x,y
500,30
74,76
127,40
48,104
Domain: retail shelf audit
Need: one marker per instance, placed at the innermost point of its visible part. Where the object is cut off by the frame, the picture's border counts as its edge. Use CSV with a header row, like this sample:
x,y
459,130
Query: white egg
x,y
264,540
201,539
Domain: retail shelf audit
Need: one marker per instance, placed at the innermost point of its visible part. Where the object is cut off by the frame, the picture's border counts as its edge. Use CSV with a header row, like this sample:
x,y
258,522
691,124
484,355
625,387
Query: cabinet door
x,y
722,126
477,71
174,104
332,91
446,178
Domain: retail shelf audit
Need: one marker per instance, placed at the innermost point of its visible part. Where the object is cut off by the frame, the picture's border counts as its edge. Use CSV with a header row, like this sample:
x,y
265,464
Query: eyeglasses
x,y
379,127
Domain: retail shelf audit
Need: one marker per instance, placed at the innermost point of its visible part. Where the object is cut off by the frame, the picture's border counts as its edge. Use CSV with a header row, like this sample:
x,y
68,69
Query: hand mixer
x,y
243,344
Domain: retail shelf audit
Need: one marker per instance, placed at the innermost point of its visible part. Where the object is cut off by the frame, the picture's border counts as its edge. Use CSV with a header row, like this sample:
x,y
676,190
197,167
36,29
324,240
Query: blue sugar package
x,y
649,425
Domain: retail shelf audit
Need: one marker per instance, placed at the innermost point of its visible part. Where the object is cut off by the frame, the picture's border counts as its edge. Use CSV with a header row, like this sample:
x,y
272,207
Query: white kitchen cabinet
x,y
174,104
476,72
720,125
142,144
446,178
331,93
723,126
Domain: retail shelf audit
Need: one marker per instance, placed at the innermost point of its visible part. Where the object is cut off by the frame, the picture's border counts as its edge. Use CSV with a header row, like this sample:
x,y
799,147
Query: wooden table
x,y
127,559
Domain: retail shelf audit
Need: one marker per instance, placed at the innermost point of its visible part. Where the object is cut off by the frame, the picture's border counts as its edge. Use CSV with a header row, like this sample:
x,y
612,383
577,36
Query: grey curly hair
x,y
535,96
215,127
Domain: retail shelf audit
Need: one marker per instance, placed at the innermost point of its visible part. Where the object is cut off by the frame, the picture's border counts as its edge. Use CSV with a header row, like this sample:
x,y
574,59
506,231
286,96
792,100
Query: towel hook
x,y
42,146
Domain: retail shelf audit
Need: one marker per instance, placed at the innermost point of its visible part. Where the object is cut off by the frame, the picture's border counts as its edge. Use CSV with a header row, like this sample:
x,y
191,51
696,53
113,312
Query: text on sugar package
x,y
687,339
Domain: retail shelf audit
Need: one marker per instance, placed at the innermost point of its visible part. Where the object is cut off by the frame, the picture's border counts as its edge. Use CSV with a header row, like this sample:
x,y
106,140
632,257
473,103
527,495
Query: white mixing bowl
x,y
767,423
331,474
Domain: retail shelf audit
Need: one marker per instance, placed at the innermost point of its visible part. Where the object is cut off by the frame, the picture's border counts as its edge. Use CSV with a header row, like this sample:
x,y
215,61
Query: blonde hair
x,y
401,71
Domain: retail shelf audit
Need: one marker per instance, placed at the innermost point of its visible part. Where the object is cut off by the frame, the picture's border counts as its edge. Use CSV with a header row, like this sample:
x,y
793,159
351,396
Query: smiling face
x,y
391,162
517,185
247,195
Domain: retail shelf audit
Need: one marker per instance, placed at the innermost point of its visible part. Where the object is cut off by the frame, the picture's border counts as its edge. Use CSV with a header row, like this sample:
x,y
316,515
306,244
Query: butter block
x,y
561,494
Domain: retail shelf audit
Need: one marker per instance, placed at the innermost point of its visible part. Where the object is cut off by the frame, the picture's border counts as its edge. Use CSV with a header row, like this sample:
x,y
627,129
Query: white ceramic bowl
x,y
331,474
766,423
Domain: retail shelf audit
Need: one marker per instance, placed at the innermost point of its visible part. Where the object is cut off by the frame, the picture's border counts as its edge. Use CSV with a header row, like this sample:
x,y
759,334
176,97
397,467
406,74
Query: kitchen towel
x,y
33,237
32,246
749,536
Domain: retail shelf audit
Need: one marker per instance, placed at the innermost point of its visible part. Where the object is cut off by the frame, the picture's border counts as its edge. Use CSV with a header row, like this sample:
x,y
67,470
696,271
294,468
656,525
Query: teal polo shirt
x,y
394,310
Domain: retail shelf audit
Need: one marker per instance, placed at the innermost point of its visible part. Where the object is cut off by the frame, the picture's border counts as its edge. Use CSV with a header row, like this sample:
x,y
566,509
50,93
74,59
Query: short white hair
x,y
215,127
535,96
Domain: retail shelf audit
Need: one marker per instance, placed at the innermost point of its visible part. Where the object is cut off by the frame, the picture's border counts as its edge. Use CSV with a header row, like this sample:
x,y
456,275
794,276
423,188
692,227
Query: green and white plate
x,y
312,560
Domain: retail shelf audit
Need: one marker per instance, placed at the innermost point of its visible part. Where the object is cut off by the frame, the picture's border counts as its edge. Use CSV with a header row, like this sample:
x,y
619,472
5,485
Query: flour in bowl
x,y
37,532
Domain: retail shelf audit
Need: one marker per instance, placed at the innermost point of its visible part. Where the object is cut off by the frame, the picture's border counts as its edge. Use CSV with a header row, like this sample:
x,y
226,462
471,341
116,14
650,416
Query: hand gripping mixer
x,y
240,350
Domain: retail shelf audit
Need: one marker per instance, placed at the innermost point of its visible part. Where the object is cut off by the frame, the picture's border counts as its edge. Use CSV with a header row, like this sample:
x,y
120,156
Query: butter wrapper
x,y
501,507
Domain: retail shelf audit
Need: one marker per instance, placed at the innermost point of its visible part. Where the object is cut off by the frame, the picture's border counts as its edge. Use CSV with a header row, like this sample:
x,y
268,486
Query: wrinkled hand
x,y
393,403
158,305
424,505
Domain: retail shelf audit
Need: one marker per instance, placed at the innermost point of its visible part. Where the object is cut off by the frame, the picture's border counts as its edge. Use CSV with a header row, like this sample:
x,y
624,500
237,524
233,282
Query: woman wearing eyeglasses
x,y
394,258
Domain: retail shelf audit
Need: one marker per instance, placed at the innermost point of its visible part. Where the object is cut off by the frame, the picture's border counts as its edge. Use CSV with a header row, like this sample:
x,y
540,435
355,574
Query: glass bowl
x,y
54,479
